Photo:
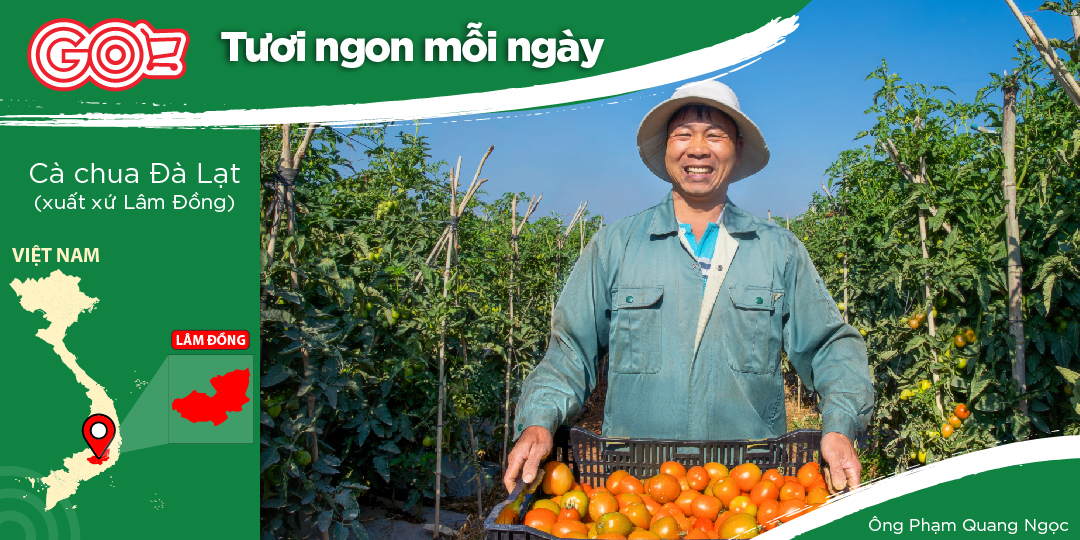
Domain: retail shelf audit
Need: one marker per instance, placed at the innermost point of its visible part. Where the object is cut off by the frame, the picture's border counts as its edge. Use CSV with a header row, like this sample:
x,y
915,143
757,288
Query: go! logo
x,y
115,54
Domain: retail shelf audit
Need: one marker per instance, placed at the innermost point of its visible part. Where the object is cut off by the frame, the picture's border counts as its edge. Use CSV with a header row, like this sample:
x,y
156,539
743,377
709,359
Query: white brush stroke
x,y
679,68
1007,455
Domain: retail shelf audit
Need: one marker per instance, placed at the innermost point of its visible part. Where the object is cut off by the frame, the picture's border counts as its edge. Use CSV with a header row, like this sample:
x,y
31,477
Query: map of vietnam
x,y
59,298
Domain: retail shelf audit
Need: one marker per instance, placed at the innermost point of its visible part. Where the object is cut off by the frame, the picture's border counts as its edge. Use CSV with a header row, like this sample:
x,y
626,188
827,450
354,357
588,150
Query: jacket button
x,y
759,300
629,299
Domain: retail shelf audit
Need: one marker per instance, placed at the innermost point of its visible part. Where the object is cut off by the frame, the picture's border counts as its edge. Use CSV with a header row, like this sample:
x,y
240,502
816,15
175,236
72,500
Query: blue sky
x,y
807,96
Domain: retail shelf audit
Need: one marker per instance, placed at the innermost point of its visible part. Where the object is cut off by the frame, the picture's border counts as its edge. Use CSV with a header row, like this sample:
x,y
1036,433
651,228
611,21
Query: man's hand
x,y
533,446
844,466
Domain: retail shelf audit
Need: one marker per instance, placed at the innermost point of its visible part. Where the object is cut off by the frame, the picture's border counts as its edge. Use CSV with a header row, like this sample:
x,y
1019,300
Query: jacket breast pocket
x,y
637,344
756,330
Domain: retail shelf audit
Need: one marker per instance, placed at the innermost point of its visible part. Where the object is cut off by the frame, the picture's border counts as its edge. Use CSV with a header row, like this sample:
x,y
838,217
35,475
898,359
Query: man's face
x,y
702,150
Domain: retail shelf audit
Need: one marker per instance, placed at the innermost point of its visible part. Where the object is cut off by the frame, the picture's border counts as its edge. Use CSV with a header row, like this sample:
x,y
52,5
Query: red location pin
x,y
98,430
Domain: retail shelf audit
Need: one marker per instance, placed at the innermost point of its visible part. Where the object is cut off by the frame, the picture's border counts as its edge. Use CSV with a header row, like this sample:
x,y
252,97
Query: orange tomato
x,y
704,506
540,519
716,470
746,475
742,504
639,515
704,524
650,503
961,411
768,511
790,479
696,534
614,522
817,495
626,499
791,509
563,527
792,490
698,478
725,490
613,481
666,528
557,478
683,484
629,484
818,484
673,468
569,514
774,476
764,489
610,536
601,504
674,509
722,518
809,473
685,499
643,535
663,488
739,526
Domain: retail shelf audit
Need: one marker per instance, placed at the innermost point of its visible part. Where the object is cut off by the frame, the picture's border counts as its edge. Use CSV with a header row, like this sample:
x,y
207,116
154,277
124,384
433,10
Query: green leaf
x,y
324,520
381,467
1069,375
990,403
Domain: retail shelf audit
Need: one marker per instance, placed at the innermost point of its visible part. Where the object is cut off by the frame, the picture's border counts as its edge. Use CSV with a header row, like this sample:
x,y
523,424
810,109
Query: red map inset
x,y
230,396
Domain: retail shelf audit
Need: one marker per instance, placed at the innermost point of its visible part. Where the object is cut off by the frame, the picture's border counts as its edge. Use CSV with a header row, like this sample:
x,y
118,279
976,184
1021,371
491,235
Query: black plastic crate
x,y
596,457
593,457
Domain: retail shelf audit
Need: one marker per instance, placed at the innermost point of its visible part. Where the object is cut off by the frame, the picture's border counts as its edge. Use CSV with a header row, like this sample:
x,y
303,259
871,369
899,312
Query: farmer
x,y
693,300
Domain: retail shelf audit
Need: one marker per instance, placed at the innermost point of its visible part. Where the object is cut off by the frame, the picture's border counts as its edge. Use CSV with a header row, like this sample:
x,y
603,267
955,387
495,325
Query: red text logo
x,y
114,55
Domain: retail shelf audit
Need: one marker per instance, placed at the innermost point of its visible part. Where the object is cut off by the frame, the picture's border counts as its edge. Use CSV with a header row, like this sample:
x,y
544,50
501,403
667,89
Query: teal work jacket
x,y
688,366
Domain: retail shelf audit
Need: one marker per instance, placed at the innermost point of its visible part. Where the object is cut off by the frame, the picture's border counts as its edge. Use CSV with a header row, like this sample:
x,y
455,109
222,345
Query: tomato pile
x,y
702,502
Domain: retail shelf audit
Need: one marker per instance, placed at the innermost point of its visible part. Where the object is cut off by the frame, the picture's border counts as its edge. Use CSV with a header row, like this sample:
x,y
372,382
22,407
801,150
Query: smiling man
x,y
693,301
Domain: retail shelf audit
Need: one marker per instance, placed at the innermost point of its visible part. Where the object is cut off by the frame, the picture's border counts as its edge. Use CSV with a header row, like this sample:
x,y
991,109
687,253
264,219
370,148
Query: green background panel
x,y
634,34
159,271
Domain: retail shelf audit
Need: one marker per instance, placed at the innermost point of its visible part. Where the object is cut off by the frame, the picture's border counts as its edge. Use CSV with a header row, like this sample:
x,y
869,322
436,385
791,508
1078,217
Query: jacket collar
x,y
736,220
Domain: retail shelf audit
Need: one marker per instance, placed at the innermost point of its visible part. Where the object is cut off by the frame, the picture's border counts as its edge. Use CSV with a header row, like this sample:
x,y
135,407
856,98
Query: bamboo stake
x,y
515,231
451,244
1012,239
1063,76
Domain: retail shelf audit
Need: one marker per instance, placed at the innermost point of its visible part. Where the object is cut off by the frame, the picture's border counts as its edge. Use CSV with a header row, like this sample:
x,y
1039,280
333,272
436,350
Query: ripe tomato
x,y
613,481
704,506
774,476
954,421
970,336
666,528
716,470
626,499
809,473
791,509
739,526
746,475
698,478
792,490
540,518
663,488
817,495
614,522
959,342
569,514
946,430
639,515
673,468
563,527
764,489
630,484
602,503
725,490
557,478
913,323
685,500
961,411
768,511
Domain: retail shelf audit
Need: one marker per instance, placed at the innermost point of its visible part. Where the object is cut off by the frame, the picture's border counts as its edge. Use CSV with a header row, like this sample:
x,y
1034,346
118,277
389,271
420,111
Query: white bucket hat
x,y
653,132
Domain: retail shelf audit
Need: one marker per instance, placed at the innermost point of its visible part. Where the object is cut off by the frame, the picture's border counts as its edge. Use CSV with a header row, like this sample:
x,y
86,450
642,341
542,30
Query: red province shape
x,y
96,461
230,396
